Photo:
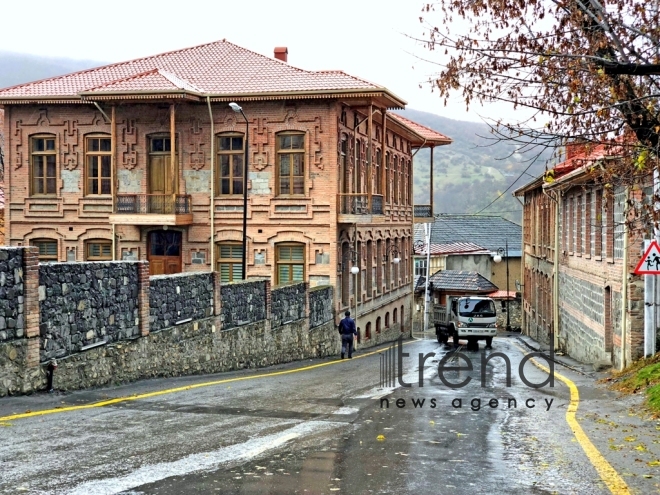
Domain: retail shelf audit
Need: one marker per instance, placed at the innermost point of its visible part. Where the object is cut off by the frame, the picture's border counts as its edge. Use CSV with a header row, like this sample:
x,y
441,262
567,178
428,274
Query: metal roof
x,y
468,281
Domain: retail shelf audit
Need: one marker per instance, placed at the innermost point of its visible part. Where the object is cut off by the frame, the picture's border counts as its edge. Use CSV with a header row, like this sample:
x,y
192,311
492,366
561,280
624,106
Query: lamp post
x,y
498,258
236,108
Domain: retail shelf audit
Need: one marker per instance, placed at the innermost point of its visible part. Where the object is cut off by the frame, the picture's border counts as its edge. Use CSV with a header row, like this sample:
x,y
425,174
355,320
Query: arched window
x,y
378,325
367,334
401,316
98,250
47,249
394,316
229,261
229,165
387,320
290,261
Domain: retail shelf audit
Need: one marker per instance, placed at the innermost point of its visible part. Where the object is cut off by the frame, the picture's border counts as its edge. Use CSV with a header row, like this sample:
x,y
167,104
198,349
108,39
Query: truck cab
x,y
471,318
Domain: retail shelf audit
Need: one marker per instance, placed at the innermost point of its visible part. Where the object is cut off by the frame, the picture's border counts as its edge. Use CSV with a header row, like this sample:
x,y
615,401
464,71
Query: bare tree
x,y
586,70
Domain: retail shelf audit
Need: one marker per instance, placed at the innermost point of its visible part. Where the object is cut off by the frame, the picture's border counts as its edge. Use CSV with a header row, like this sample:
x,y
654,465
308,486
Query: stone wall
x,y
244,302
515,314
320,305
183,296
84,304
196,348
15,376
288,304
12,317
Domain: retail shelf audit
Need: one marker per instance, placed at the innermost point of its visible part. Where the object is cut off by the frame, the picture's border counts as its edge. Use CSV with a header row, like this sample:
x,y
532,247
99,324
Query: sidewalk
x,y
618,425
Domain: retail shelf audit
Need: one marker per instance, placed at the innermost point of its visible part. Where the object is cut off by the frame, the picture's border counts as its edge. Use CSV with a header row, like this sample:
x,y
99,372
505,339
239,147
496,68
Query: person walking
x,y
348,333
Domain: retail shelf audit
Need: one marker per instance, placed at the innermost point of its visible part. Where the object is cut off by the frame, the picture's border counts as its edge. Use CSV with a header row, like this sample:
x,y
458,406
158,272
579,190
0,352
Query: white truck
x,y
470,318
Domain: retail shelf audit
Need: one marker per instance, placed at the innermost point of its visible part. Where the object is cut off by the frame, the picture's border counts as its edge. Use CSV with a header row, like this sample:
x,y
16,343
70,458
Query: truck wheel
x,y
489,342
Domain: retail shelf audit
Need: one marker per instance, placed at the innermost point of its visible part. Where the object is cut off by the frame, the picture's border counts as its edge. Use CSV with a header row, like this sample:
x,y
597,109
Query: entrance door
x,y
162,178
164,252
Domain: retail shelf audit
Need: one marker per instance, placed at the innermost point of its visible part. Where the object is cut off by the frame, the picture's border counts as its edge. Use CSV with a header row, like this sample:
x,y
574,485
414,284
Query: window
x,y
387,320
230,164
388,184
230,262
98,172
290,263
291,164
395,187
47,249
378,174
420,267
378,325
98,250
598,224
401,317
394,316
43,165
367,334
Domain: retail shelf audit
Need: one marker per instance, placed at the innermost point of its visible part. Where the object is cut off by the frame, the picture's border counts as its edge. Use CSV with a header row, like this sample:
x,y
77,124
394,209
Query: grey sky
x,y
365,38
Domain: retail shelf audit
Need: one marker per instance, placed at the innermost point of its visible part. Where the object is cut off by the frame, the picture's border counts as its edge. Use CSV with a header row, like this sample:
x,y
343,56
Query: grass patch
x,y
641,376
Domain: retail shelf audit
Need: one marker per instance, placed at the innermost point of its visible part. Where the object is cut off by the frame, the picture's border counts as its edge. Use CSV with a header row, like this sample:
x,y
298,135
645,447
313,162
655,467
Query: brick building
x,y
578,279
144,160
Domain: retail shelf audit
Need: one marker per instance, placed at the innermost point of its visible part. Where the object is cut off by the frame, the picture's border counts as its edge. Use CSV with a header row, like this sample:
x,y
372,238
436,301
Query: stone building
x,y
579,261
145,160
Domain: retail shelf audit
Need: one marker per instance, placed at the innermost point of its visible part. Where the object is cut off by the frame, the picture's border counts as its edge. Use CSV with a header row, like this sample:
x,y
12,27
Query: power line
x,y
505,191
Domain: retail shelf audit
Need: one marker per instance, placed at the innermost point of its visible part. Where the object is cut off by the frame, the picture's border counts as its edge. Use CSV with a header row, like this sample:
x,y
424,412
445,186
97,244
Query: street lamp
x,y
237,108
497,259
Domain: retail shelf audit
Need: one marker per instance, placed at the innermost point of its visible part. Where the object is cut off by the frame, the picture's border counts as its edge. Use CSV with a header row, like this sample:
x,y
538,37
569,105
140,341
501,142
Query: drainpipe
x,y
624,291
555,269
113,183
212,209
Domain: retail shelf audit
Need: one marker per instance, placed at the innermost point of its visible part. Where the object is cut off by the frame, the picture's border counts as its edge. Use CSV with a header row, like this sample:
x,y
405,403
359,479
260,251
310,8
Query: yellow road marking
x,y
607,473
148,395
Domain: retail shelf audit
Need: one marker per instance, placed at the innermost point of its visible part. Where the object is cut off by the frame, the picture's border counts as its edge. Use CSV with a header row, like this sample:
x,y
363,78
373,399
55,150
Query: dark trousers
x,y
347,345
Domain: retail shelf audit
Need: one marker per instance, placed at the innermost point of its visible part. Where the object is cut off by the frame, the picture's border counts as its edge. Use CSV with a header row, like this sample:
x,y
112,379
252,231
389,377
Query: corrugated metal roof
x,y
491,232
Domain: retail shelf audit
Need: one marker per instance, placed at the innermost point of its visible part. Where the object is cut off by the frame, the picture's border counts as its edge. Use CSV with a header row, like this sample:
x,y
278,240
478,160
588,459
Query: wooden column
x,y
175,189
113,169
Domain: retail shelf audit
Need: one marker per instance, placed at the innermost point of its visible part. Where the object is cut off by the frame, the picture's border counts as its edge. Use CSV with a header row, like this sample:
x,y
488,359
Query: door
x,y
162,177
164,252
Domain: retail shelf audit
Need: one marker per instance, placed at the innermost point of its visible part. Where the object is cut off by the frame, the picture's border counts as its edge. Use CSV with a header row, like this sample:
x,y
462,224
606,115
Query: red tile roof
x,y
502,294
431,136
218,68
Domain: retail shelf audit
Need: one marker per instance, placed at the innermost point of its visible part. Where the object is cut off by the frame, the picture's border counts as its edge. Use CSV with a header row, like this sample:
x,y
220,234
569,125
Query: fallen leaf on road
x,y
653,463
380,438
630,439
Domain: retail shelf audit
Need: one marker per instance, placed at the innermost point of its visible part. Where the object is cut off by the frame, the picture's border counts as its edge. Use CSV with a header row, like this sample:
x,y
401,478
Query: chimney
x,y
281,53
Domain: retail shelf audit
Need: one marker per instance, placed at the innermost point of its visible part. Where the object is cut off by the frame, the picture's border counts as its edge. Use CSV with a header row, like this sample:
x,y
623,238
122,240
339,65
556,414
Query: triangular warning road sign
x,y
650,262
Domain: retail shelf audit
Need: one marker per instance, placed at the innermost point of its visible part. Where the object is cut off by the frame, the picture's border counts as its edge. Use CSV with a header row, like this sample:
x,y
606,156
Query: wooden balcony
x,y
354,208
152,209
423,213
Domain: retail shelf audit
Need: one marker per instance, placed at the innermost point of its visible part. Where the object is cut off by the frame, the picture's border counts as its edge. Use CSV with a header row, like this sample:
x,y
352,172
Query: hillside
x,y
473,170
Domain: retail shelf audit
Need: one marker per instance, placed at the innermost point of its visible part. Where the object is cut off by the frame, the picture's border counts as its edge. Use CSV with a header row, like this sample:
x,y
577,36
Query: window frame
x,y
218,163
280,152
279,262
46,257
44,153
90,154
100,242
230,261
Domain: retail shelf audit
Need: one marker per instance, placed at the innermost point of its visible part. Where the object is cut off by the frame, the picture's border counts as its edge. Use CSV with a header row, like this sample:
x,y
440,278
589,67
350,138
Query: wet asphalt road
x,y
324,430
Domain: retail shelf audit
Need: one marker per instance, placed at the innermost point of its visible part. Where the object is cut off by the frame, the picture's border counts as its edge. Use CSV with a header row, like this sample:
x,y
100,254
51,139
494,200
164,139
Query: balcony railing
x,y
358,204
158,204
423,211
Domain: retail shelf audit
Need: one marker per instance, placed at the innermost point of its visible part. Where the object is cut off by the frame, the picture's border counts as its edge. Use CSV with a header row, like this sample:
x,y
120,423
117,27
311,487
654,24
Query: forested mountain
x,y
17,68
473,170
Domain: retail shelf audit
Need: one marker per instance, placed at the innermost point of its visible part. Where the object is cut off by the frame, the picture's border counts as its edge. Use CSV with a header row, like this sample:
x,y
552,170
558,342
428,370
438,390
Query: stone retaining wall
x,y
183,296
244,302
12,318
83,304
15,376
320,305
195,348
288,304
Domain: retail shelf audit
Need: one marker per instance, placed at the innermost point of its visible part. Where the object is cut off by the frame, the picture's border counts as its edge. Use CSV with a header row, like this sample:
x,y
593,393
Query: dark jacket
x,y
347,326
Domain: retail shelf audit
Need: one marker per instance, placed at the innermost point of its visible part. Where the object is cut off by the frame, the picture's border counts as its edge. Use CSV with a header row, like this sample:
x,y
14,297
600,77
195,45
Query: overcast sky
x,y
366,38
